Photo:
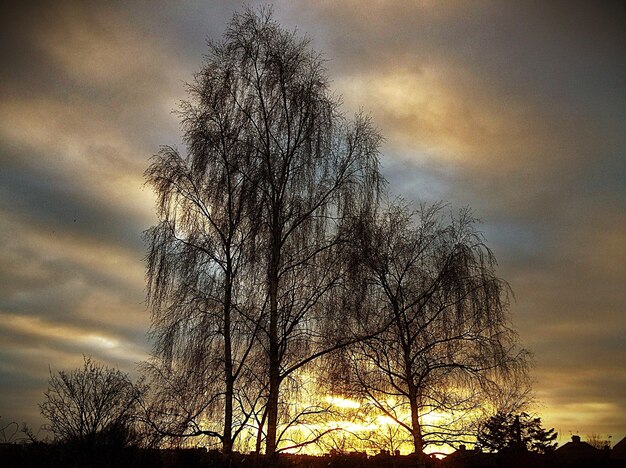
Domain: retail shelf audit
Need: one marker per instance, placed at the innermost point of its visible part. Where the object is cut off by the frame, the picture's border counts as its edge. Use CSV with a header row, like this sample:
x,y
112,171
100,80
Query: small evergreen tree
x,y
507,430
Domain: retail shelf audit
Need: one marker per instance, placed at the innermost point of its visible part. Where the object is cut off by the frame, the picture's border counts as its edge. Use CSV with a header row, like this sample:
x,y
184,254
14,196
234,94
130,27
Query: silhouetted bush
x,y
92,406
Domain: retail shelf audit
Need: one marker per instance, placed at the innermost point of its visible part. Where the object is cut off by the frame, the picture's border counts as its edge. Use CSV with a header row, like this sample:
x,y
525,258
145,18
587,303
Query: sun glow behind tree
x,y
340,424
354,426
277,277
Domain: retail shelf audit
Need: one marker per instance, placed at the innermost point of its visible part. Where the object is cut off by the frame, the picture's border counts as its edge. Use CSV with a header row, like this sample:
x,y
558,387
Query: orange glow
x,y
341,402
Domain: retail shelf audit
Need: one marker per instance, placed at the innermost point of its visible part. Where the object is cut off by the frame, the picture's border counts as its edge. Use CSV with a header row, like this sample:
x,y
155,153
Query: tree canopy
x,y
448,345
245,265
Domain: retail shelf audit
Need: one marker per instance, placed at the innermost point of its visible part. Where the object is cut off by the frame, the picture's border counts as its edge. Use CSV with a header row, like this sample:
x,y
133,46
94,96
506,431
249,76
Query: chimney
x,y
576,439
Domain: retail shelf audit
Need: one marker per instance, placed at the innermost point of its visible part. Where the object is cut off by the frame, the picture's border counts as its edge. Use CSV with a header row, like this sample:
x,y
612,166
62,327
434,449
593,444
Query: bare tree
x,y
598,442
91,404
200,283
274,178
317,172
448,344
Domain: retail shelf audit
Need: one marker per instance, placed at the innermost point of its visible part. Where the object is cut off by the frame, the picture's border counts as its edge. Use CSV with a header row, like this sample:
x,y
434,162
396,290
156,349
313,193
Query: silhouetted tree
x,y
201,276
317,173
507,430
94,404
597,441
448,343
246,266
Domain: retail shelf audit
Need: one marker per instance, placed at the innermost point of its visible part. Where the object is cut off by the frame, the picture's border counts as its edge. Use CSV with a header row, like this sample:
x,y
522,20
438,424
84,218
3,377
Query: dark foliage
x,y
503,431
93,405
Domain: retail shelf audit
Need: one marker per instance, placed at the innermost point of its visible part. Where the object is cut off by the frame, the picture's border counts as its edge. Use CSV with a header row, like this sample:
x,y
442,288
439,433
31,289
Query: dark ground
x,y
45,455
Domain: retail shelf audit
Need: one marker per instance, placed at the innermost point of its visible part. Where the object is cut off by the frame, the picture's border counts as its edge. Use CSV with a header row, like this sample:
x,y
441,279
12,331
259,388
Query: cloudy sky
x,y
516,110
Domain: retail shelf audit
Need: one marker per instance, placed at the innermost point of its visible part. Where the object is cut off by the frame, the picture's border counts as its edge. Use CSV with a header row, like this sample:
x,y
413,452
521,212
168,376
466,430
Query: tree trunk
x,y
274,358
227,441
272,414
259,434
416,428
274,370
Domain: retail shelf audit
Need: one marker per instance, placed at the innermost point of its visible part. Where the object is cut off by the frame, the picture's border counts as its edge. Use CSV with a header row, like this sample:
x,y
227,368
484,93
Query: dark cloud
x,y
61,205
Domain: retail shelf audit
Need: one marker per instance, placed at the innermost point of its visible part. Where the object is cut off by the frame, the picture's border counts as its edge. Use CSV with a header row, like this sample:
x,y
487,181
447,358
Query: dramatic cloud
x,y
514,109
